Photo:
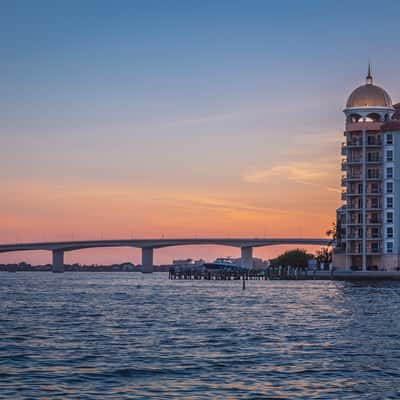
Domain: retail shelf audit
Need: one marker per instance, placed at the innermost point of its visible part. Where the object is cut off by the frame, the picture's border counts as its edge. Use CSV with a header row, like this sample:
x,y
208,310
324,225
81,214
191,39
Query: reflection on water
x,y
128,335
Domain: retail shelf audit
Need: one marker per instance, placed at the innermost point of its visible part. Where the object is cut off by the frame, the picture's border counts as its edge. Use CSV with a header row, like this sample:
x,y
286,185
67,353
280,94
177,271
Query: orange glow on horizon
x,y
48,211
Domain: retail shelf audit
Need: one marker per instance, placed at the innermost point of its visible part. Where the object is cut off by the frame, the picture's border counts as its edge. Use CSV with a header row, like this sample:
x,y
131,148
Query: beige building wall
x,y
390,262
338,260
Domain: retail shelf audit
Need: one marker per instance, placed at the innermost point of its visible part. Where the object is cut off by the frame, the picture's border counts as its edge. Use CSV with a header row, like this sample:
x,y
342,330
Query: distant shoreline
x,y
24,267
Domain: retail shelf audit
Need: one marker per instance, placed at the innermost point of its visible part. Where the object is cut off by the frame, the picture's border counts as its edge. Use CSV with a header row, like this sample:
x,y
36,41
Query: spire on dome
x,y
369,76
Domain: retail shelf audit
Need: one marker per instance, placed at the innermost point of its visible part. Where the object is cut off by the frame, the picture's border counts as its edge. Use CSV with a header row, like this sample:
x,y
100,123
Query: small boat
x,y
223,264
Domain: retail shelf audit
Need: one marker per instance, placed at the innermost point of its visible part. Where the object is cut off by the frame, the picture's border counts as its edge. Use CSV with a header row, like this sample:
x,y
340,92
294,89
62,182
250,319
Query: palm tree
x,y
332,233
324,256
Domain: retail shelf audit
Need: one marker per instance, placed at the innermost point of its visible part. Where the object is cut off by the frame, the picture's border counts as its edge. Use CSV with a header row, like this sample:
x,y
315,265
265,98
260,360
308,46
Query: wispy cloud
x,y
215,204
299,172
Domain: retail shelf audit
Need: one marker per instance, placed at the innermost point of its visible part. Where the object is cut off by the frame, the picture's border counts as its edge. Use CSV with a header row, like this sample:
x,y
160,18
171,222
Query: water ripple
x,y
130,336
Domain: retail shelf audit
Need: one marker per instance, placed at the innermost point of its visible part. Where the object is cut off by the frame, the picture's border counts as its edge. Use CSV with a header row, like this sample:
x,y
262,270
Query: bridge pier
x,y
246,257
147,259
58,261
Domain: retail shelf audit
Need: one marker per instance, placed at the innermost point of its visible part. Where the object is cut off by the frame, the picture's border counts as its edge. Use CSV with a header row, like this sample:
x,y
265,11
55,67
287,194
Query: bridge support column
x,y
58,261
147,259
246,257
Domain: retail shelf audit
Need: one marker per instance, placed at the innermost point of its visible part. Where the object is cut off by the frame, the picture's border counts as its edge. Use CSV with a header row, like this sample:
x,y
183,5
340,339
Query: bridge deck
x,y
159,243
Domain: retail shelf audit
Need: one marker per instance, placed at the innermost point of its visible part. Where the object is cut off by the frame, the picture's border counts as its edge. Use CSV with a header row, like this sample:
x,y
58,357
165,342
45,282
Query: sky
x,y
179,118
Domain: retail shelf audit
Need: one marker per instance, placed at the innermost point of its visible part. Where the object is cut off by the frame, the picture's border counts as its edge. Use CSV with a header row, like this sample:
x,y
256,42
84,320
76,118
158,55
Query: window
x,y
389,172
374,247
389,187
389,232
373,173
389,138
389,247
389,202
389,155
374,202
373,156
373,140
374,218
375,233
389,218
375,188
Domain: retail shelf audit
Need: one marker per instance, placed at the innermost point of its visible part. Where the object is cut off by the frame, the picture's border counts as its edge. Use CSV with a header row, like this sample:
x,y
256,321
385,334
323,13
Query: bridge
x,y
149,245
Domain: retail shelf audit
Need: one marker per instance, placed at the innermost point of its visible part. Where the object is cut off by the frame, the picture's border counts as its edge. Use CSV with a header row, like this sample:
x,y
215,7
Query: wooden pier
x,y
287,273
284,273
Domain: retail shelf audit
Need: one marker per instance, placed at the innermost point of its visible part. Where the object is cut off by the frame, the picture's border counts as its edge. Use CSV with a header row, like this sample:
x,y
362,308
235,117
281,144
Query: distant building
x,y
368,224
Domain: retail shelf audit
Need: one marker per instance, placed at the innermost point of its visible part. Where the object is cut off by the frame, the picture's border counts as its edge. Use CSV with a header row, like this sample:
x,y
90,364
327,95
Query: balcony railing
x,y
344,149
374,160
373,143
354,160
372,206
353,207
354,193
356,236
359,126
354,222
354,142
354,177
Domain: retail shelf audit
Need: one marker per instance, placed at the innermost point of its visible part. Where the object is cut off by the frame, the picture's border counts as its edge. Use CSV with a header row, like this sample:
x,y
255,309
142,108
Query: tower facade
x,y
368,223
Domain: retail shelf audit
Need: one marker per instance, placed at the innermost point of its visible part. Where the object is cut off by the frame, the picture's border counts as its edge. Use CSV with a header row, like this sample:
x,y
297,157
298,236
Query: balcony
x,y
344,165
354,160
354,222
373,192
354,143
359,126
374,160
344,195
354,177
344,149
373,205
374,143
373,237
344,181
354,193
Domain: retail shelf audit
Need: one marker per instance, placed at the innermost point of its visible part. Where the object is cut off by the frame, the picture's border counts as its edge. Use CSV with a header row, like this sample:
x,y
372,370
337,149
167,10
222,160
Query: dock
x,y
276,273
283,273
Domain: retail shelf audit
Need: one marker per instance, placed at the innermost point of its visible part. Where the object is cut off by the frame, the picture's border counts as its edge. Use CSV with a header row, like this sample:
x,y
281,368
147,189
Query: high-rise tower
x,y
368,224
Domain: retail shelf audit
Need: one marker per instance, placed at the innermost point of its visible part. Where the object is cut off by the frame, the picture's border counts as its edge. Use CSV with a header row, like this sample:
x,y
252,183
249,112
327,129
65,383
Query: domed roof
x,y
369,95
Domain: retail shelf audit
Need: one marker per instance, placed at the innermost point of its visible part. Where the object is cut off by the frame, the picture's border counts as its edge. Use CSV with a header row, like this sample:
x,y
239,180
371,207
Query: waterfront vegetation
x,y
294,258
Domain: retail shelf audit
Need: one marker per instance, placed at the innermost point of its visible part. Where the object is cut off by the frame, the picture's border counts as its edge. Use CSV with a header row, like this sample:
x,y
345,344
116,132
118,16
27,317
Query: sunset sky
x,y
179,118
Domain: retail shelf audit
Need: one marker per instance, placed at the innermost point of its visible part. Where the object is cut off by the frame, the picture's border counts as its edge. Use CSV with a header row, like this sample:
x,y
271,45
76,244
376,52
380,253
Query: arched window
x,y
373,117
353,118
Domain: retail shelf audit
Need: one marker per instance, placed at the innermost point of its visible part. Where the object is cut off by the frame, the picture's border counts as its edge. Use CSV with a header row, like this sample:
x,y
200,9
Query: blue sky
x,y
173,98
